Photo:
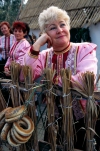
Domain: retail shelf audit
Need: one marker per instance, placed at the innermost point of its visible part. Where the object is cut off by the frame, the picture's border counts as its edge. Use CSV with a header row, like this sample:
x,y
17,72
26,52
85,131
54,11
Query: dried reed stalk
x,y
86,89
27,72
2,101
52,131
3,104
15,92
67,125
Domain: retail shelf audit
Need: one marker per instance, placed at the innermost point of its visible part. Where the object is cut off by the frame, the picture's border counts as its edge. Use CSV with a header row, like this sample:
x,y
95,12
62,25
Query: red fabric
x,y
33,52
7,46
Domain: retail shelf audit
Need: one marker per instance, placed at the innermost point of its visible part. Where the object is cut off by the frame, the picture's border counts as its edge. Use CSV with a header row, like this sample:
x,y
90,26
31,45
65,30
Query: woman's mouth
x,y
60,36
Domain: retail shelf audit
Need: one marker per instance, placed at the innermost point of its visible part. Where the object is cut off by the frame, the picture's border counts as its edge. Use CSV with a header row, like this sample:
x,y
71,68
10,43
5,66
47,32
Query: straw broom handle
x,y
31,108
50,110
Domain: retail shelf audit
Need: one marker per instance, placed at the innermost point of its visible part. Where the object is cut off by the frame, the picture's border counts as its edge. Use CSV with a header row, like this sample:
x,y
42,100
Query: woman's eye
x,y
62,25
52,28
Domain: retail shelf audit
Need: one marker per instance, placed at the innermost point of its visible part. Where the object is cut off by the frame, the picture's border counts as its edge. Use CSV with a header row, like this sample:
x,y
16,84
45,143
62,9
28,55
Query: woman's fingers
x,y
49,42
42,40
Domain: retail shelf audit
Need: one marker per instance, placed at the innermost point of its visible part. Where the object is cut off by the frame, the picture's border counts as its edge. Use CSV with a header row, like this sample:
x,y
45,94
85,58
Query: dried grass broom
x,y
15,92
52,128
67,125
86,89
27,72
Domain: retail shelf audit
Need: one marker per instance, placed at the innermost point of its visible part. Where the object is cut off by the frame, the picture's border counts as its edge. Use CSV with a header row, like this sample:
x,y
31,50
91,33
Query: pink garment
x,y
85,60
4,44
17,52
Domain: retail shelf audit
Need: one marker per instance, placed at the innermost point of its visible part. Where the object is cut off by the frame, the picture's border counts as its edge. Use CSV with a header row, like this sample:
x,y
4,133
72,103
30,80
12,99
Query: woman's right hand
x,y
7,71
42,40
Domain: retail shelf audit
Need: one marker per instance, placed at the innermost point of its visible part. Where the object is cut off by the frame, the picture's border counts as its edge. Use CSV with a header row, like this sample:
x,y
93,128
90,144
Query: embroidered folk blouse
x,y
17,52
79,57
5,44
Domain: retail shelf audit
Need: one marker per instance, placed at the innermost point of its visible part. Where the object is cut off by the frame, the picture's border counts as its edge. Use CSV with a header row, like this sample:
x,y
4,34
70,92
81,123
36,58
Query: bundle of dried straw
x,y
86,88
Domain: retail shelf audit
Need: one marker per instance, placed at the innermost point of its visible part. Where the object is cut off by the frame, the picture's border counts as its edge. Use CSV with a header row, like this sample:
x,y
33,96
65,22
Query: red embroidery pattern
x,y
12,50
7,47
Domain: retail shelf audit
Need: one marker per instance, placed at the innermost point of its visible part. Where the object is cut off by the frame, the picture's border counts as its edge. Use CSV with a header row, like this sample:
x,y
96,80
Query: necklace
x,y
64,50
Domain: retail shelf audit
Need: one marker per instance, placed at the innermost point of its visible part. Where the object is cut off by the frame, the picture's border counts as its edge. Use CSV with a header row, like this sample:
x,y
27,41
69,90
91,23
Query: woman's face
x,y
19,34
5,30
59,33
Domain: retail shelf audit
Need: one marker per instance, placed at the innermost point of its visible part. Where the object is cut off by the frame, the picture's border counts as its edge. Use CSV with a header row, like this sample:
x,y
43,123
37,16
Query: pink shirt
x,y
81,57
17,52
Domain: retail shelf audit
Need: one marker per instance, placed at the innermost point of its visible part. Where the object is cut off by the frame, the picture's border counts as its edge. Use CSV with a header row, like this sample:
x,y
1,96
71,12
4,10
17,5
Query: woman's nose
x,y
59,29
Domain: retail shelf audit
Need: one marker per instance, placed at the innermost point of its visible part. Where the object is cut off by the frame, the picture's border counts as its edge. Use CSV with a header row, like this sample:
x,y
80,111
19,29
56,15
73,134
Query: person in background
x,y
61,53
27,35
34,38
6,41
19,48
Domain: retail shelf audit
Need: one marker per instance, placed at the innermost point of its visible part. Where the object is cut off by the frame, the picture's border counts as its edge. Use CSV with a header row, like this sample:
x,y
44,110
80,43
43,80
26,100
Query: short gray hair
x,y
50,14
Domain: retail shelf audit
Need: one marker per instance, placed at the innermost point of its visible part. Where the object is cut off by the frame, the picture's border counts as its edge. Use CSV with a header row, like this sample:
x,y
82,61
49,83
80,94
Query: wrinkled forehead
x,y
53,22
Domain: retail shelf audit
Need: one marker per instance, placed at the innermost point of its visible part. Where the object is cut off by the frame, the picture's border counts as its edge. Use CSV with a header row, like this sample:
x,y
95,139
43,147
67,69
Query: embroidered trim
x,y
75,60
7,46
12,39
49,59
59,63
71,60
14,49
33,52
31,55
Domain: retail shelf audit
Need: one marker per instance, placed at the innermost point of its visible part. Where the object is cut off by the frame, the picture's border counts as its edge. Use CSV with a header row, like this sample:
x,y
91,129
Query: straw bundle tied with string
x,y
52,127
29,95
27,73
86,89
67,125
18,98
15,92
28,88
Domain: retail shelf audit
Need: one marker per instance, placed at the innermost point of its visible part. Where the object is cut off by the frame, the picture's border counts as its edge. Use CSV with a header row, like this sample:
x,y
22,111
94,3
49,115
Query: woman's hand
x,y
42,40
7,71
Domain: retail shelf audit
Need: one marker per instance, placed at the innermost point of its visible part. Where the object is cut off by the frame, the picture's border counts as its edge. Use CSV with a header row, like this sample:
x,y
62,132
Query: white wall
x,y
95,37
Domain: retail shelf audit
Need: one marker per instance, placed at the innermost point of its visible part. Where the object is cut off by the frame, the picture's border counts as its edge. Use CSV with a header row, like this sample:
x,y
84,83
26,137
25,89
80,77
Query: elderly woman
x,y
6,41
61,53
19,48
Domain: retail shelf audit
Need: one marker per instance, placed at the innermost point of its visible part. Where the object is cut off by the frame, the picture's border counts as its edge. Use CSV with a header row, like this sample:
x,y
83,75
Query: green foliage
x,y
9,10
